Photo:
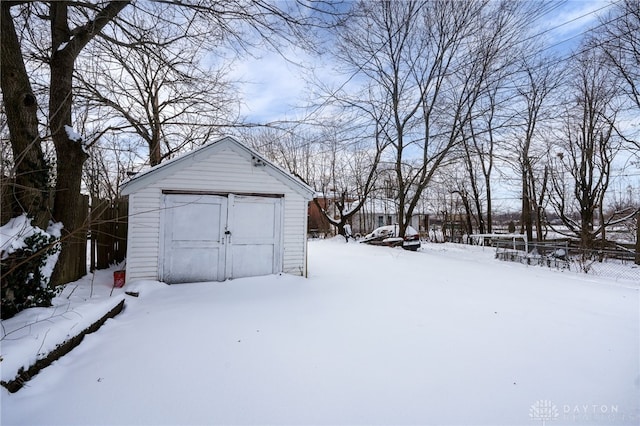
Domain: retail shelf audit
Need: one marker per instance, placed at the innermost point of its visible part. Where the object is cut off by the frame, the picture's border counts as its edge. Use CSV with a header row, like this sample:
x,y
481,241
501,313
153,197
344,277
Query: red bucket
x,y
118,278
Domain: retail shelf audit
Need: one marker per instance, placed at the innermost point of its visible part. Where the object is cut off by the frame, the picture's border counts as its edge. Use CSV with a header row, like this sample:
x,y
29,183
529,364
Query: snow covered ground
x,y
446,335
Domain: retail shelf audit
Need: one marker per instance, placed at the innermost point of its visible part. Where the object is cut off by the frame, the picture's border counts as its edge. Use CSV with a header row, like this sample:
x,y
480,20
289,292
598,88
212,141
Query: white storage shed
x,y
221,211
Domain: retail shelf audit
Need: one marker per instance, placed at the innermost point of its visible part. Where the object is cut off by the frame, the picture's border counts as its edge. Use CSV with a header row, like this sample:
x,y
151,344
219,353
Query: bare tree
x,y
336,158
585,156
424,66
294,149
481,141
620,43
538,79
449,199
385,44
151,84
500,43
478,160
350,175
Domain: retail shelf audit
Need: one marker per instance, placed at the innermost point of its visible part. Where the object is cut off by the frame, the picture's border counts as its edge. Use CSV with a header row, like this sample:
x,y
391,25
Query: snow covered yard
x,y
446,335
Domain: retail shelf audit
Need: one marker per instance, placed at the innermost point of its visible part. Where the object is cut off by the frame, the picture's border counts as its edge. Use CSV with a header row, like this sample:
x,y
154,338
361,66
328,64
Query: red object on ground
x,y
118,278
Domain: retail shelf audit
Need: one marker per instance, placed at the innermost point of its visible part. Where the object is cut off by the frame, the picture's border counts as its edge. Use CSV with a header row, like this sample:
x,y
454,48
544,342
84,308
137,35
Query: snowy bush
x,y
28,255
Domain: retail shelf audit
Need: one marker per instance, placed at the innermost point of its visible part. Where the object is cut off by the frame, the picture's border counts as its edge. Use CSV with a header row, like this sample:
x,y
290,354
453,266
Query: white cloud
x,y
272,86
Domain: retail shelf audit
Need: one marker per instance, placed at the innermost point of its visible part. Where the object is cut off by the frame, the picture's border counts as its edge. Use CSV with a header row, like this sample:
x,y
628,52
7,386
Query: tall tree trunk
x,y
70,152
71,155
489,207
586,228
31,188
538,203
401,183
155,153
468,224
478,206
527,223
603,225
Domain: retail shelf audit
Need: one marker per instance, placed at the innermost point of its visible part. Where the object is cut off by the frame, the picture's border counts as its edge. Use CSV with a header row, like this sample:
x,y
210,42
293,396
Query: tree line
x,y
446,104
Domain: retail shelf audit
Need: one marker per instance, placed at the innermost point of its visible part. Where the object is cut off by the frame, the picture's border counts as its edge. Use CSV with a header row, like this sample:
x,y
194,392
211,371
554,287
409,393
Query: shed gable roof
x,y
168,168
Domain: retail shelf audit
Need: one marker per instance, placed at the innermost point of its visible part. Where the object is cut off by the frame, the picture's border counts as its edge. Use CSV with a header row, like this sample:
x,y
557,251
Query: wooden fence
x,y
108,233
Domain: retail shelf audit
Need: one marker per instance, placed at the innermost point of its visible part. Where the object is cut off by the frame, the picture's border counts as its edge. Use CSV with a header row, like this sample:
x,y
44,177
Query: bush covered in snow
x,y
28,255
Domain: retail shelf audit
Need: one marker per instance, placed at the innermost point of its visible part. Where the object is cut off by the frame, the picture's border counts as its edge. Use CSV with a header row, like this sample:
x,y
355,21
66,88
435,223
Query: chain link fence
x,y
616,263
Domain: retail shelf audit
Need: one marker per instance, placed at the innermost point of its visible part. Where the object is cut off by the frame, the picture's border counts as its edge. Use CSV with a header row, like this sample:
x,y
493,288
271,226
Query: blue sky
x,y
274,89
273,86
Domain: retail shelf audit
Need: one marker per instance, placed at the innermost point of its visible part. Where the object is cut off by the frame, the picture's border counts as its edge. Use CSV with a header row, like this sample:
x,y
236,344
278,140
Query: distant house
x,y
318,224
221,211
377,212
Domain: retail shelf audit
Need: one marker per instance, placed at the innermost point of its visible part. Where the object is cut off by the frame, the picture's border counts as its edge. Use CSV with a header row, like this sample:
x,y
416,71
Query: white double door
x,y
215,237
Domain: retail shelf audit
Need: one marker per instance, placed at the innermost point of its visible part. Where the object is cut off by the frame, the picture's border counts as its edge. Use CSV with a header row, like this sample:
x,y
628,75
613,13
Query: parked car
x,y
387,236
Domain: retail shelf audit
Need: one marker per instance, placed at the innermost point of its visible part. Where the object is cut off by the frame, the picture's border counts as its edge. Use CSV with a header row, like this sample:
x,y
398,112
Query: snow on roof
x,y
385,206
140,179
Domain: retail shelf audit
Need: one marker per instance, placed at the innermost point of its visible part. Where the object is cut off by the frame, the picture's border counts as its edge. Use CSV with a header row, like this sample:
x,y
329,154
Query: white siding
x,y
226,170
